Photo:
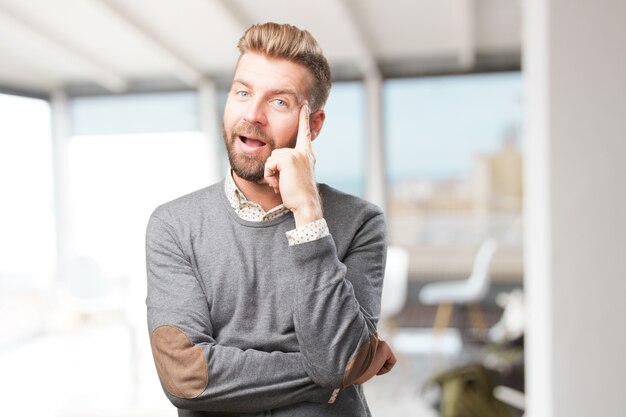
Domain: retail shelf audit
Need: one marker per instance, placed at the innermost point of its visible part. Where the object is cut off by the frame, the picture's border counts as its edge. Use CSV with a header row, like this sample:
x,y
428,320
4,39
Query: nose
x,y
255,113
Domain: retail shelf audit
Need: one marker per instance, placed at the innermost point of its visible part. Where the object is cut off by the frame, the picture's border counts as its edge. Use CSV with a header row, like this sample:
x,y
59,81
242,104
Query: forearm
x,y
335,326
234,380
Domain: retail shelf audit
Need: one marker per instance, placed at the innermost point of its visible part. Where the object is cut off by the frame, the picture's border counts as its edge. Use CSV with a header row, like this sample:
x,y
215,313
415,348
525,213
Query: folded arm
x,y
338,304
196,372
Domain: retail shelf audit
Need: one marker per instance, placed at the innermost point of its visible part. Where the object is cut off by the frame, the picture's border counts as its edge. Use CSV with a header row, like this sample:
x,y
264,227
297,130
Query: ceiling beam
x,y
22,69
6,87
467,32
183,69
98,71
239,17
365,57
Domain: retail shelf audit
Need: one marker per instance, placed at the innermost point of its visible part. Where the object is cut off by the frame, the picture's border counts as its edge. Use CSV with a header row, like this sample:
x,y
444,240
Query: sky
x,y
433,126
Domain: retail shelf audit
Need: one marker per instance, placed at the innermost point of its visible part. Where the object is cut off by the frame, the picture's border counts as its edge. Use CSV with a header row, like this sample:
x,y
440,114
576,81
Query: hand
x,y
291,172
384,360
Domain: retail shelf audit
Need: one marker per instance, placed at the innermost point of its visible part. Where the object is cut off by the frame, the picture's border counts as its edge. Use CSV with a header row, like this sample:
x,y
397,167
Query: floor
x,y
92,369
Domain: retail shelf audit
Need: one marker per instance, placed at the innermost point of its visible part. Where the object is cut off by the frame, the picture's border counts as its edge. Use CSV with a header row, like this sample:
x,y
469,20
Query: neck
x,y
259,193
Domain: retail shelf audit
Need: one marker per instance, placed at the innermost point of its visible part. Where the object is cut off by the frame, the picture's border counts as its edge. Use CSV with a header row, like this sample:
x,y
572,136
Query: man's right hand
x,y
291,172
384,360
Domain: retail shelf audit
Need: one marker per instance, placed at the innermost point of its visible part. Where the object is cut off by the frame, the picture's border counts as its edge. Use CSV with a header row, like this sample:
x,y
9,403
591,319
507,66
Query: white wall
x,y
575,69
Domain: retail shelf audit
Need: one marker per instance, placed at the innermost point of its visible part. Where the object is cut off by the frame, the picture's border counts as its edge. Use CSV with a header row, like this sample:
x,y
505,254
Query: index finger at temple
x,y
303,141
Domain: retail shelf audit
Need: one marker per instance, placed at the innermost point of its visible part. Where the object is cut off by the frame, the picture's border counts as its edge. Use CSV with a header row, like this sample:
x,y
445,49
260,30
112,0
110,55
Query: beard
x,y
248,167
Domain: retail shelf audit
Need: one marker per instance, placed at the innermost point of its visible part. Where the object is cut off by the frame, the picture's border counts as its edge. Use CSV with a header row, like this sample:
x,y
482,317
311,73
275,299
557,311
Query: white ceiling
x,y
115,45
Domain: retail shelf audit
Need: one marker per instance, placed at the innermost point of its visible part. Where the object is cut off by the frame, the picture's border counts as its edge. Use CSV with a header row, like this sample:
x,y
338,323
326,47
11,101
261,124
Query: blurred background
x,y
492,133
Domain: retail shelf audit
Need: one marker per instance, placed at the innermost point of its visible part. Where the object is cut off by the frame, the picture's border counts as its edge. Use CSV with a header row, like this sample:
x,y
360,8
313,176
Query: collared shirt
x,y
251,211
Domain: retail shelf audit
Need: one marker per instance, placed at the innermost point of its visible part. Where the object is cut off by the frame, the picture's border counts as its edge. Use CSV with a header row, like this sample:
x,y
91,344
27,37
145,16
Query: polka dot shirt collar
x,y
246,209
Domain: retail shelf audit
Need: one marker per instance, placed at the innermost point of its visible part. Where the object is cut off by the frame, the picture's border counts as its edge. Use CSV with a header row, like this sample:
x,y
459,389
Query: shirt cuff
x,y
333,396
308,233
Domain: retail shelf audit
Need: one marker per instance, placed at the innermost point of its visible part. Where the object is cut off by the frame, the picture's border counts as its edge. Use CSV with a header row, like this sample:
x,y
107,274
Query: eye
x,y
243,94
280,102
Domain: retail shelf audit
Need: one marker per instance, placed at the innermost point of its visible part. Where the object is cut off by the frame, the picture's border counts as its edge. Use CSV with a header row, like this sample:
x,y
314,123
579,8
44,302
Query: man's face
x,y
261,112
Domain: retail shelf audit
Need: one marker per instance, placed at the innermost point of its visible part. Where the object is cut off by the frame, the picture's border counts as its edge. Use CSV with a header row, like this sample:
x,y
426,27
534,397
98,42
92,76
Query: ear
x,y
316,121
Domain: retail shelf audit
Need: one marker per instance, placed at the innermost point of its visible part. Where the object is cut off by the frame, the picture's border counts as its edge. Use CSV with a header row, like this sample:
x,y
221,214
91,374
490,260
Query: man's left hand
x,y
384,360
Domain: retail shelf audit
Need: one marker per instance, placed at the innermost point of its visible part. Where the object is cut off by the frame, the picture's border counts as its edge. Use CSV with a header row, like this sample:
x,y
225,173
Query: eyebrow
x,y
283,91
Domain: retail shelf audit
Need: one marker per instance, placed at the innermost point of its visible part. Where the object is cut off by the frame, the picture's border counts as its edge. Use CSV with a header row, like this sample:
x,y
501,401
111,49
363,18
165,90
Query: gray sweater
x,y
241,323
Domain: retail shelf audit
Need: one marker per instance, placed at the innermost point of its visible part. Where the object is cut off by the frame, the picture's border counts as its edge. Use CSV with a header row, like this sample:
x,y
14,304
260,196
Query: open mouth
x,y
251,142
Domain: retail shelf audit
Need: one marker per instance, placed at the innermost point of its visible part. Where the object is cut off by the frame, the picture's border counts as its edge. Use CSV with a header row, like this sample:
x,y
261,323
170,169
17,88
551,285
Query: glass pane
x,y
27,223
455,168
340,147
135,113
116,182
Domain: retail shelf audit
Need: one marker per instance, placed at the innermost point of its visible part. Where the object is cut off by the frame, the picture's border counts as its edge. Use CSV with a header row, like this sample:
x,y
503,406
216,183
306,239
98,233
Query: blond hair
x,y
296,45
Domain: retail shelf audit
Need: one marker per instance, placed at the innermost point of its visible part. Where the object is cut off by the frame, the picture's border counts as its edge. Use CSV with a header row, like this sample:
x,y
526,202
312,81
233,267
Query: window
x,y
340,148
129,154
454,161
135,113
27,222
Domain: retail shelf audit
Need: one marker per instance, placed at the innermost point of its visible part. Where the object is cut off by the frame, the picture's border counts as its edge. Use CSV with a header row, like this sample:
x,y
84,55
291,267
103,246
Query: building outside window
x,y
455,170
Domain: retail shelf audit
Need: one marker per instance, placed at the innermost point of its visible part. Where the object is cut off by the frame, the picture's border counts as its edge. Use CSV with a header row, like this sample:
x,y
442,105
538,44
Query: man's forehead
x,y
272,74
281,91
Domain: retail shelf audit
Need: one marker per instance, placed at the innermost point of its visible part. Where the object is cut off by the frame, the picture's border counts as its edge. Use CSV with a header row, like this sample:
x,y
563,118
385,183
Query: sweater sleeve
x,y
196,372
338,303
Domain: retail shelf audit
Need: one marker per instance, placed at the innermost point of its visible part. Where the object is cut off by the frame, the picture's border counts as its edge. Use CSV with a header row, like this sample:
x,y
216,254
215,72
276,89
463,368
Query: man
x,y
264,289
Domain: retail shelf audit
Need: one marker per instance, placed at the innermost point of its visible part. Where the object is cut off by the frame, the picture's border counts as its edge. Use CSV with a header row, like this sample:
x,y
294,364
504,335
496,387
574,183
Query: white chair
x,y
467,292
394,286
